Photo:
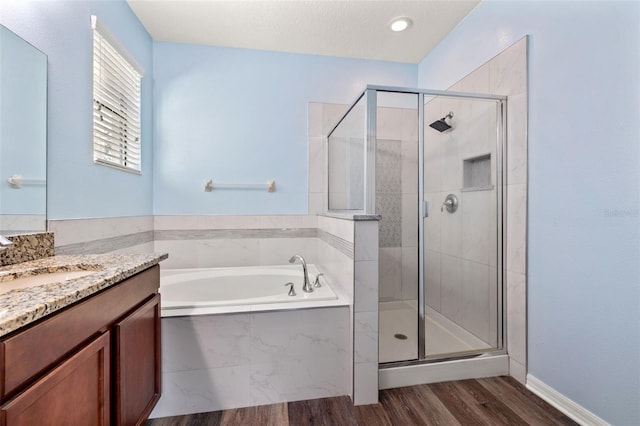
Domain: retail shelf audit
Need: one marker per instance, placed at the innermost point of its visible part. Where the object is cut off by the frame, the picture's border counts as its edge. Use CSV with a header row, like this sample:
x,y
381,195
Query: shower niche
x,y
476,173
404,154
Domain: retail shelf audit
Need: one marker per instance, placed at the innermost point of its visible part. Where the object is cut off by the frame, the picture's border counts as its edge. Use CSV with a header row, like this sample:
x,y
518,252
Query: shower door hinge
x,y
425,207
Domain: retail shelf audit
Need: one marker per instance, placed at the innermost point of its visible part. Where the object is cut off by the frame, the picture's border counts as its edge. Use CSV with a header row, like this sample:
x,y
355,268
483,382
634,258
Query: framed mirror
x,y
23,135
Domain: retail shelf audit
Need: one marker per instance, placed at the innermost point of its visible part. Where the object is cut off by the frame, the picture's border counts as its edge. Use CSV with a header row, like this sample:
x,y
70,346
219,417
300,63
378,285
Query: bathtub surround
x,y
365,323
220,241
215,362
347,253
131,242
132,234
27,247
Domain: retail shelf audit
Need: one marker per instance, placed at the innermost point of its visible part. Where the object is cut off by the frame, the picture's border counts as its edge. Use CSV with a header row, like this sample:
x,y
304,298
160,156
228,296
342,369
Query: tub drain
x,y
400,336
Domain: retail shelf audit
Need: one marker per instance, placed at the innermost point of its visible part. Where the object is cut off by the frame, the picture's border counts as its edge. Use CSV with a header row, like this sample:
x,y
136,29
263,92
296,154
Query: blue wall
x,y
77,188
584,187
23,128
240,116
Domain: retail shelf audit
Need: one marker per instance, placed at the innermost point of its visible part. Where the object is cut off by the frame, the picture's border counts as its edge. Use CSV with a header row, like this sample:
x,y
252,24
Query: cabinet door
x,y
74,393
137,363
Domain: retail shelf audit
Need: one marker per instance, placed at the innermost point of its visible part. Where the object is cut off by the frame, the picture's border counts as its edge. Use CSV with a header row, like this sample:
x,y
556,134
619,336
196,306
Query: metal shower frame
x,y
370,197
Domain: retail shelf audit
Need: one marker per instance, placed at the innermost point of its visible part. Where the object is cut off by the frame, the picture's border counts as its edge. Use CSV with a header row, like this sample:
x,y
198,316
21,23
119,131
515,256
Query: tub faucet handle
x,y
317,282
292,292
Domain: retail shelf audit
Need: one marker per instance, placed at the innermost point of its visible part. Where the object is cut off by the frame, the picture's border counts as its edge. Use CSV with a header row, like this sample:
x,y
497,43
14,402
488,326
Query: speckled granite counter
x,y
21,307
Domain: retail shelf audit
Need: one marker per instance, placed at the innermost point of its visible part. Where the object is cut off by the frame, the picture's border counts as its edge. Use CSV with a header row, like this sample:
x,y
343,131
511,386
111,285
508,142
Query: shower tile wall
x,y
388,191
397,202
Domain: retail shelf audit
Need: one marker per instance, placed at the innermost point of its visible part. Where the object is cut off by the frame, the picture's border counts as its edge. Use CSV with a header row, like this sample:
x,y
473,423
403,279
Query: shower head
x,y
442,125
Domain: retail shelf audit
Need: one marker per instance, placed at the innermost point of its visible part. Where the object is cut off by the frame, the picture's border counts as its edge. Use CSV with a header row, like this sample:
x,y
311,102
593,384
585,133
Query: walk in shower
x,y
430,164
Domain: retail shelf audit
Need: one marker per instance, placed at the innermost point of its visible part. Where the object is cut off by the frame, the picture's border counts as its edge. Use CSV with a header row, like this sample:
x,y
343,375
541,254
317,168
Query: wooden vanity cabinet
x,y
74,393
96,362
137,366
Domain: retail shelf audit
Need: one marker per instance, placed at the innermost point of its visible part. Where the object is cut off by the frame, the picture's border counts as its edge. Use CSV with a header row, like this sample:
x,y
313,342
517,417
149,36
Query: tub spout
x,y
307,288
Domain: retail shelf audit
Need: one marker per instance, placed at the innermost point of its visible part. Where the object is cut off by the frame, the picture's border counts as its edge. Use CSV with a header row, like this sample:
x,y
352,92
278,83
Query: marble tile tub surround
x,y
27,247
348,251
21,307
216,362
219,241
366,284
103,235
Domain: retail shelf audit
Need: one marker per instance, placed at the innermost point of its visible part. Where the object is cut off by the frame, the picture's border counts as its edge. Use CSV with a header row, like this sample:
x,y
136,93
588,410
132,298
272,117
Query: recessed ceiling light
x,y
400,23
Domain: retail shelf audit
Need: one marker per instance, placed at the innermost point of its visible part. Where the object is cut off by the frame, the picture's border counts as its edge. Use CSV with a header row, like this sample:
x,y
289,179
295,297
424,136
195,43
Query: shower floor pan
x,y
442,335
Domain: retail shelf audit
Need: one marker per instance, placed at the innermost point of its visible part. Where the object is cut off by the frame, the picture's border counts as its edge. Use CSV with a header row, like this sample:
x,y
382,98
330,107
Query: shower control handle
x,y
291,292
450,203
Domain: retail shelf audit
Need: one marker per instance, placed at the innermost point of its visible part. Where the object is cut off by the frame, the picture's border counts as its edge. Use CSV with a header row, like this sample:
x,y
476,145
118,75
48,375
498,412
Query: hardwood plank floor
x,y
490,401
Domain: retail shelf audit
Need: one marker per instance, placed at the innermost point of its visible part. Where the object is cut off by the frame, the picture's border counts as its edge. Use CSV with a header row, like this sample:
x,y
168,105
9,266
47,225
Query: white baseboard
x,y
573,410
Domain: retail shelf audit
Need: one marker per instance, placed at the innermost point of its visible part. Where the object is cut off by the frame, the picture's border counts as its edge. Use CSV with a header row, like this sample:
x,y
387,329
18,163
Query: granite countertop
x,y
23,306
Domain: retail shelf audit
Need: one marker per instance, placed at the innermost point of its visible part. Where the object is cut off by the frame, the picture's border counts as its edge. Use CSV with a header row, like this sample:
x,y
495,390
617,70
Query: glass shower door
x,y
460,250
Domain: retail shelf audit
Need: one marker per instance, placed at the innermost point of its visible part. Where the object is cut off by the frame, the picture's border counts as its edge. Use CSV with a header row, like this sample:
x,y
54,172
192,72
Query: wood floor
x,y
491,401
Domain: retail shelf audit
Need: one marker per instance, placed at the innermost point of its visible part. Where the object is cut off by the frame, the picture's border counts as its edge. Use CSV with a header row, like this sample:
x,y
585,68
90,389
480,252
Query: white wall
x,y
583,235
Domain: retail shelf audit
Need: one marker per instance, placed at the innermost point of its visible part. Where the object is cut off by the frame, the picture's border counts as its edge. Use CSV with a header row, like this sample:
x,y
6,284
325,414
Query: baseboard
x,y
573,410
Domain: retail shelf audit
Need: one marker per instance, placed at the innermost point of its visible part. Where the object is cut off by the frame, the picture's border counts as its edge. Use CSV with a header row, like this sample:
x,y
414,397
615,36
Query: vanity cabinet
x,y
137,363
74,393
96,362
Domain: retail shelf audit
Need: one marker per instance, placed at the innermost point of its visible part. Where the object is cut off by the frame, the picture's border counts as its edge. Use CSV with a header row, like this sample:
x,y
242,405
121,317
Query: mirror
x,y
23,135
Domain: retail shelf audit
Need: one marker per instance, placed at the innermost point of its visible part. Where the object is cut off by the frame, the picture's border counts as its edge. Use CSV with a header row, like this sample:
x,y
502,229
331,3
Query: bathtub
x,y
233,337
203,291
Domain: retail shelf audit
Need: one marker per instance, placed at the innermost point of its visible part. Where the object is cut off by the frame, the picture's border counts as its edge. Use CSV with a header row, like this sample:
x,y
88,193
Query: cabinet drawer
x,y
74,393
29,353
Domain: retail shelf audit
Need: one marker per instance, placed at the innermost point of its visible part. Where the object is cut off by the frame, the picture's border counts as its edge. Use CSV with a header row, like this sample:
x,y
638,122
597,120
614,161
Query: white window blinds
x,y
116,104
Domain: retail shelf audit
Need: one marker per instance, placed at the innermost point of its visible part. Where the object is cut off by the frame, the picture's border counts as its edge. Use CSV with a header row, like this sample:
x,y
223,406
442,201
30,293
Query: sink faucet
x,y
307,285
4,243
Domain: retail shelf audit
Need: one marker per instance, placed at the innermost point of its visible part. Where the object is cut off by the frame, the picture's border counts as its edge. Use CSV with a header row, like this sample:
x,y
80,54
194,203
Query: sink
x,y
41,279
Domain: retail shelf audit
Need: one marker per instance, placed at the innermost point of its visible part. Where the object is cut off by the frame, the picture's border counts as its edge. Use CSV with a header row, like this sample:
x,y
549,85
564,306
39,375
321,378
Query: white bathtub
x,y
201,291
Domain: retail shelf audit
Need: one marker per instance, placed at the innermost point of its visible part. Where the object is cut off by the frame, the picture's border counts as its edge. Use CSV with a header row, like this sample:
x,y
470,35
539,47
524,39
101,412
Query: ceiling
x,y
344,28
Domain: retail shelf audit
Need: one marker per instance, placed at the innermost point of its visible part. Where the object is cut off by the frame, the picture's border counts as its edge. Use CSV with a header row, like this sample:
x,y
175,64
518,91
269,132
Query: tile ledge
x,y
352,216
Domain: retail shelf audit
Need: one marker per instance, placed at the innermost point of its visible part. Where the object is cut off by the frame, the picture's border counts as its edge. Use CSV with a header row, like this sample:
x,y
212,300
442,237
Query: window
x,y
116,103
